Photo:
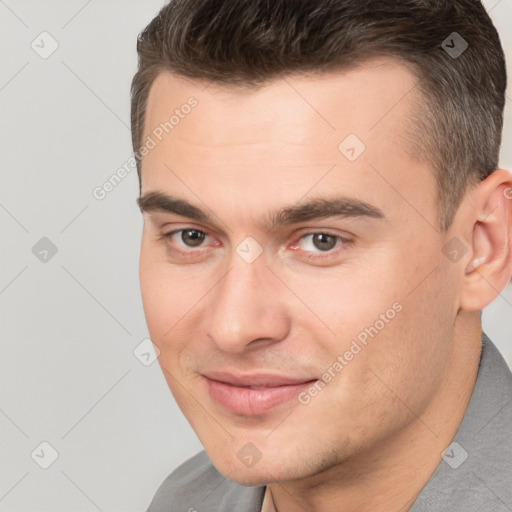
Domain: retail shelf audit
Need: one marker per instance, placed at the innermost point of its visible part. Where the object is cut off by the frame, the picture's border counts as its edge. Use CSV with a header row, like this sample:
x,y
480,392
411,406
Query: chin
x,y
263,472
236,471
250,479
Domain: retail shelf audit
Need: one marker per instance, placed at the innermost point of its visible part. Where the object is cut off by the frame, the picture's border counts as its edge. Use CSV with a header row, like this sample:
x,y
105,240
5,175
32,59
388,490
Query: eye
x,y
322,242
187,238
192,237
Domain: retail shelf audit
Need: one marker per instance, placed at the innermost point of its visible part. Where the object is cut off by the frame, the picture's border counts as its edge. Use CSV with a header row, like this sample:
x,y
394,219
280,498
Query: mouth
x,y
256,394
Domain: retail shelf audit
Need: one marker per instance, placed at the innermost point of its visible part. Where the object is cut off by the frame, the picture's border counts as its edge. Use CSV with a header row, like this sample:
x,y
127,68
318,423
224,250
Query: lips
x,y
255,394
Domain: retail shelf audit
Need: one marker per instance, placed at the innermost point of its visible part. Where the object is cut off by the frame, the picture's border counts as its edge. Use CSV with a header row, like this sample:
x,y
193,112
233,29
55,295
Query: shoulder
x,y
197,486
475,472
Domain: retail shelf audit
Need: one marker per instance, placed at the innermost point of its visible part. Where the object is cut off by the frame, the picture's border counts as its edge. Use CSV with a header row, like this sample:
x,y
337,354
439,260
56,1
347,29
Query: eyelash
x,y
341,244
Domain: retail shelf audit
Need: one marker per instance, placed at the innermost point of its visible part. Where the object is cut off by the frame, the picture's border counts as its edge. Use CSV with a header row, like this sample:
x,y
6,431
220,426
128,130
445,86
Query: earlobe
x,y
490,266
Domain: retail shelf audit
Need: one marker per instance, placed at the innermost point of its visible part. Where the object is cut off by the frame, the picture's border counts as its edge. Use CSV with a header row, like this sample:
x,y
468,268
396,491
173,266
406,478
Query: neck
x,y
391,475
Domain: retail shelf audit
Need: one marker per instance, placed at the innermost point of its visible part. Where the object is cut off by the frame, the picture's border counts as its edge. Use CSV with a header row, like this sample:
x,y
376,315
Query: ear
x,y
490,241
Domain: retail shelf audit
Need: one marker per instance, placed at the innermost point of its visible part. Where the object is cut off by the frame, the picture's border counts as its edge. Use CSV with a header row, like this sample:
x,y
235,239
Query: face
x,y
291,267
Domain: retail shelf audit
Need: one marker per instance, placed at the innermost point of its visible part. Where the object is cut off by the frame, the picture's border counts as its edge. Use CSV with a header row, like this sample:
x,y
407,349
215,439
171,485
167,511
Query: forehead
x,y
356,99
284,136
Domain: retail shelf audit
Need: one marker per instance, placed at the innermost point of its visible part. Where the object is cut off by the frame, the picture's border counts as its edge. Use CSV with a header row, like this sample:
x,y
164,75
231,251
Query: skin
x,y
374,435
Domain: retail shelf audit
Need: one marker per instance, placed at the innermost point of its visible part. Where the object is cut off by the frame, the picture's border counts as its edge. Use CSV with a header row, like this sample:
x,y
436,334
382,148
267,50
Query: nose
x,y
247,308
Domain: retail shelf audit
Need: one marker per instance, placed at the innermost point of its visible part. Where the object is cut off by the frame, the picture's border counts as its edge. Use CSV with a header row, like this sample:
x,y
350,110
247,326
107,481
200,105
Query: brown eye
x,y
321,244
324,242
192,237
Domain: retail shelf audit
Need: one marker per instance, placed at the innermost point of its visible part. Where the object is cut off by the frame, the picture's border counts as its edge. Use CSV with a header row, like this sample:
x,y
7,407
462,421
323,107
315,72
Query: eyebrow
x,y
319,208
158,202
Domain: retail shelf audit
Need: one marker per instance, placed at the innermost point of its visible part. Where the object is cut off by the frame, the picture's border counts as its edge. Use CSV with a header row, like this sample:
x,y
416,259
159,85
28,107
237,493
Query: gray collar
x,y
475,474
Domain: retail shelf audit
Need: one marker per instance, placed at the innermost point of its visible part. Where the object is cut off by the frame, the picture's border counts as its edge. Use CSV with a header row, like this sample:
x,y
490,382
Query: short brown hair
x,y
457,128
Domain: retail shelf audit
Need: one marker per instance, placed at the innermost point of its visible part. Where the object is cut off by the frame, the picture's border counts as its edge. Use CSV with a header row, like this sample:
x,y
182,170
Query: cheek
x,y
395,324
162,309
172,301
151,292
340,305
159,297
410,355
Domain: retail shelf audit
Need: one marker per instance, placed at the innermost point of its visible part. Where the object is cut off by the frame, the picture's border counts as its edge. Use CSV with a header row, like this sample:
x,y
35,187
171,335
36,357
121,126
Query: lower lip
x,y
253,402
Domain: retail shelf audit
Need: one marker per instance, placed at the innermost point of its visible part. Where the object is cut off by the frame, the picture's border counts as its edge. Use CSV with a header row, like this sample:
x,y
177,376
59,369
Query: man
x,y
324,221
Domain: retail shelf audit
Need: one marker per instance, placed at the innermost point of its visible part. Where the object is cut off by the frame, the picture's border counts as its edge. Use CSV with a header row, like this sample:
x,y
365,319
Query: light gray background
x,y
69,325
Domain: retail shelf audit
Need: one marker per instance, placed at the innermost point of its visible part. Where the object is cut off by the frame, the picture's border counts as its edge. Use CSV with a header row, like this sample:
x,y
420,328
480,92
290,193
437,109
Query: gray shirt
x,y
475,474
